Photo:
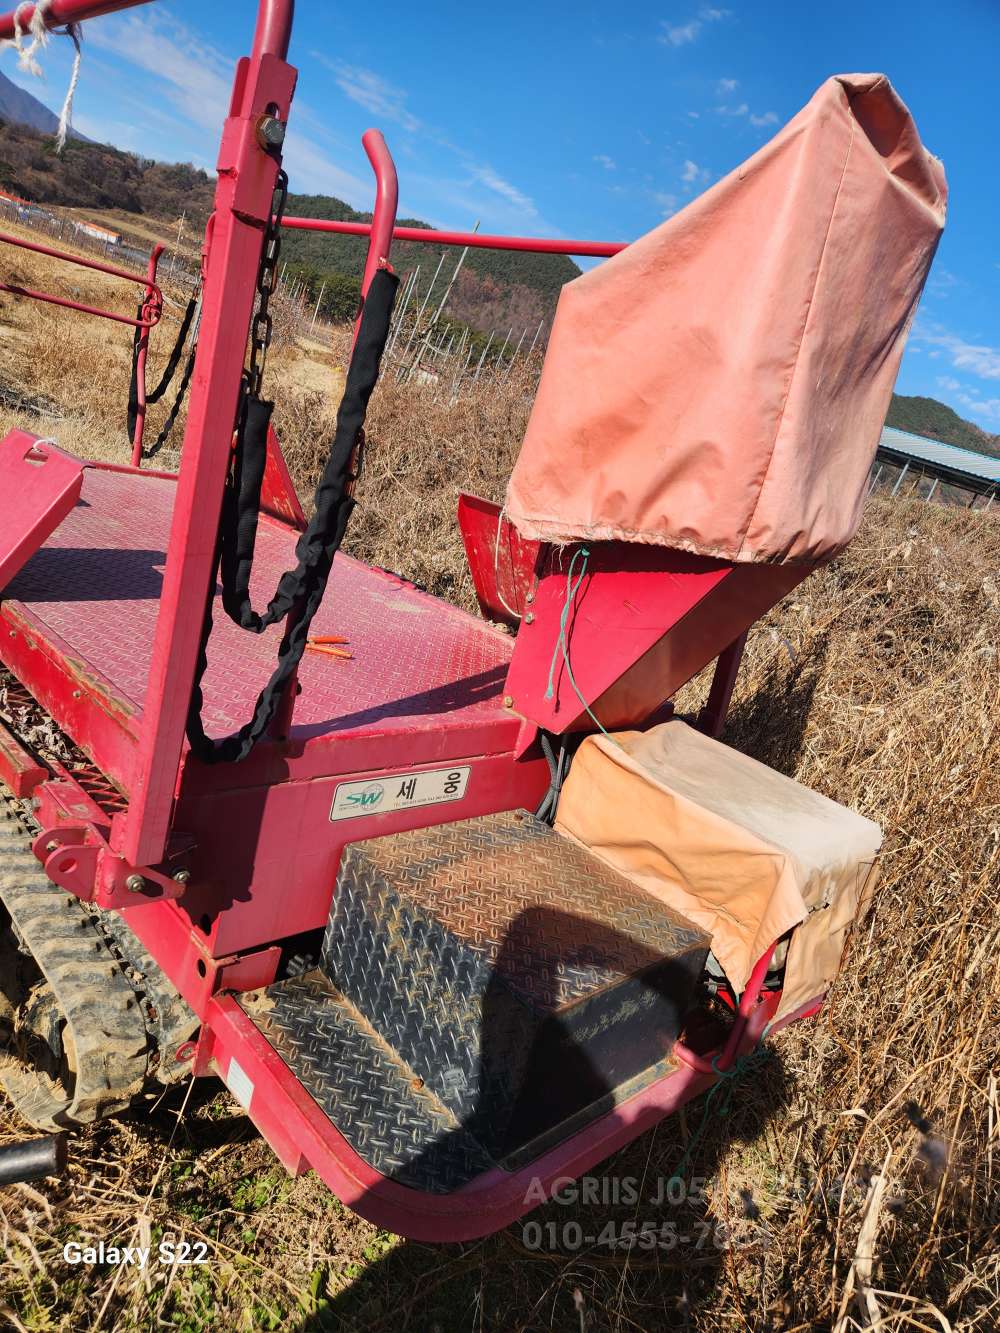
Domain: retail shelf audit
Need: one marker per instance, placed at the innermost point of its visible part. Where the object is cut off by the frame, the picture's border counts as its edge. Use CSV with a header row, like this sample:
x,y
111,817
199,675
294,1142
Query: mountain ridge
x,y
937,421
495,290
19,105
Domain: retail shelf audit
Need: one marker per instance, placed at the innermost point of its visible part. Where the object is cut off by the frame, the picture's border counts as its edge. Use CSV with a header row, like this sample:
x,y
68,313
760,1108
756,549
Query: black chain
x,y
150,451
267,278
260,329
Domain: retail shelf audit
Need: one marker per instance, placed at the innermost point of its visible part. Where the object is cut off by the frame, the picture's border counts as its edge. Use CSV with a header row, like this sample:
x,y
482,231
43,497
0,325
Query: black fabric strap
x,y
304,586
153,449
154,395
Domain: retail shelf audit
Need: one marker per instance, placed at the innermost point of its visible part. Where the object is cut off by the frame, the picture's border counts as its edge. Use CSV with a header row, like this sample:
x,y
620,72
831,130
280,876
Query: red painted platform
x,y
88,601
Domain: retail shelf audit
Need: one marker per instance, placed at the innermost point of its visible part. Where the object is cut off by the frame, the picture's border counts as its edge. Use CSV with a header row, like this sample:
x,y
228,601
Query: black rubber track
x,y
104,1038
169,1019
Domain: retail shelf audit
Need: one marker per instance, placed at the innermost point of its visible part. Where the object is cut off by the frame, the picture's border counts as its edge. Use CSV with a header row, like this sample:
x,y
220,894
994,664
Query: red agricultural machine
x,y
468,909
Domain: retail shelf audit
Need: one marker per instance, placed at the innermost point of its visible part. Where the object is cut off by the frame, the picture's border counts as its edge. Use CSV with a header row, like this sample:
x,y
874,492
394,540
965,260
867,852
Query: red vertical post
x,y
712,717
140,361
244,196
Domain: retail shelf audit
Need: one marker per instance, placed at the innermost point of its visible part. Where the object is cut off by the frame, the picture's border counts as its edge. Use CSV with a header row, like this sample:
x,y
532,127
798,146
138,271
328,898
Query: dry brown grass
x,y
878,683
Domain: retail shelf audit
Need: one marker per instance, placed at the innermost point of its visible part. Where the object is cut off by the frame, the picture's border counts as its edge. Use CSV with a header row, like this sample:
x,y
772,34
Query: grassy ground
x,y
874,1130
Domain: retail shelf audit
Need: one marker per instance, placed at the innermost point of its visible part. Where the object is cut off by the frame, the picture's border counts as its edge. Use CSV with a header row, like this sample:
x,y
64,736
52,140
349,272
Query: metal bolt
x,y
135,884
530,597
508,701
529,619
51,846
270,132
76,694
182,876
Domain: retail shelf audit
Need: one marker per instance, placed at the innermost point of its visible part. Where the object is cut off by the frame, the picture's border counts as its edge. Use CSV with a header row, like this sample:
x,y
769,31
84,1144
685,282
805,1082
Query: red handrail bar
x,y
540,245
152,290
724,1060
274,20
65,11
140,363
382,228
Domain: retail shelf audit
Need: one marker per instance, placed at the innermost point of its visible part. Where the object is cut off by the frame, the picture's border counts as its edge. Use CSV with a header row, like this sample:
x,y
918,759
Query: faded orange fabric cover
x,y
742,851
720,385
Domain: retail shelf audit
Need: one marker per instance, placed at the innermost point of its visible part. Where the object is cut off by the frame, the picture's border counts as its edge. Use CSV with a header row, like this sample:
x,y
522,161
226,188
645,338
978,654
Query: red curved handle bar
x,y
386,202
748,1002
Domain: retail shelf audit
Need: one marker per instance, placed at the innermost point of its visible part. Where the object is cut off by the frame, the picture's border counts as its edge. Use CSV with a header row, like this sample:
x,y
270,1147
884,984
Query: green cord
x,y
562,644
727,1077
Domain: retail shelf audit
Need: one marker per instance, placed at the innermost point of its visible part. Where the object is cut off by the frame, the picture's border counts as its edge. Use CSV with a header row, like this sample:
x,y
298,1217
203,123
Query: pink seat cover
x,y
720,386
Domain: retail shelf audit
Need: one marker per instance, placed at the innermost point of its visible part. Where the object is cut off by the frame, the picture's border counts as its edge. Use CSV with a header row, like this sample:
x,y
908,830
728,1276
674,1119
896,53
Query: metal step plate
x,y
397,1126
39,485
522,983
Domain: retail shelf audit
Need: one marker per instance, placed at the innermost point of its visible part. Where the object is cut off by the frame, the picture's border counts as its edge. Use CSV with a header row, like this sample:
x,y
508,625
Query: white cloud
x,y
192,80
666,202
389,102
198,77
681,34
692,174
941,281
608,163
981,409
977,359
741,109
485,175
371,91
725,86
986,409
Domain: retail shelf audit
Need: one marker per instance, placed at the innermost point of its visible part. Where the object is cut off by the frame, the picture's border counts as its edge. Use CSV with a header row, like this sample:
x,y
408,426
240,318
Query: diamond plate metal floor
x,y
487,989
379,1105
521,979
93,592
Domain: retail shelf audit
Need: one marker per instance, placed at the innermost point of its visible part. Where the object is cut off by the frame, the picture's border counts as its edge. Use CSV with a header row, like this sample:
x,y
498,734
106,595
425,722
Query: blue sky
x,y
584,120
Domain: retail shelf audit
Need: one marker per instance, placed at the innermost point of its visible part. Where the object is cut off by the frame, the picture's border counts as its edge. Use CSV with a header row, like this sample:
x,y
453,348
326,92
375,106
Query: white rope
x,y
66,115
38,32
39,39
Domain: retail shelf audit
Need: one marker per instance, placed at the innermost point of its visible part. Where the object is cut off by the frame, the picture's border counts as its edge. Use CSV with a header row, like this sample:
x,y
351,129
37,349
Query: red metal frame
x,y
539,245
64,11
303,1138
247,177
154,297
246,838
39,485
140,362
380,233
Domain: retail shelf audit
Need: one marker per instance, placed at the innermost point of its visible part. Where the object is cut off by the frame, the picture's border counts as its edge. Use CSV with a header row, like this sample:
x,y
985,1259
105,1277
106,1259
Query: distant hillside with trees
x,y
927,416
495,290
91,175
